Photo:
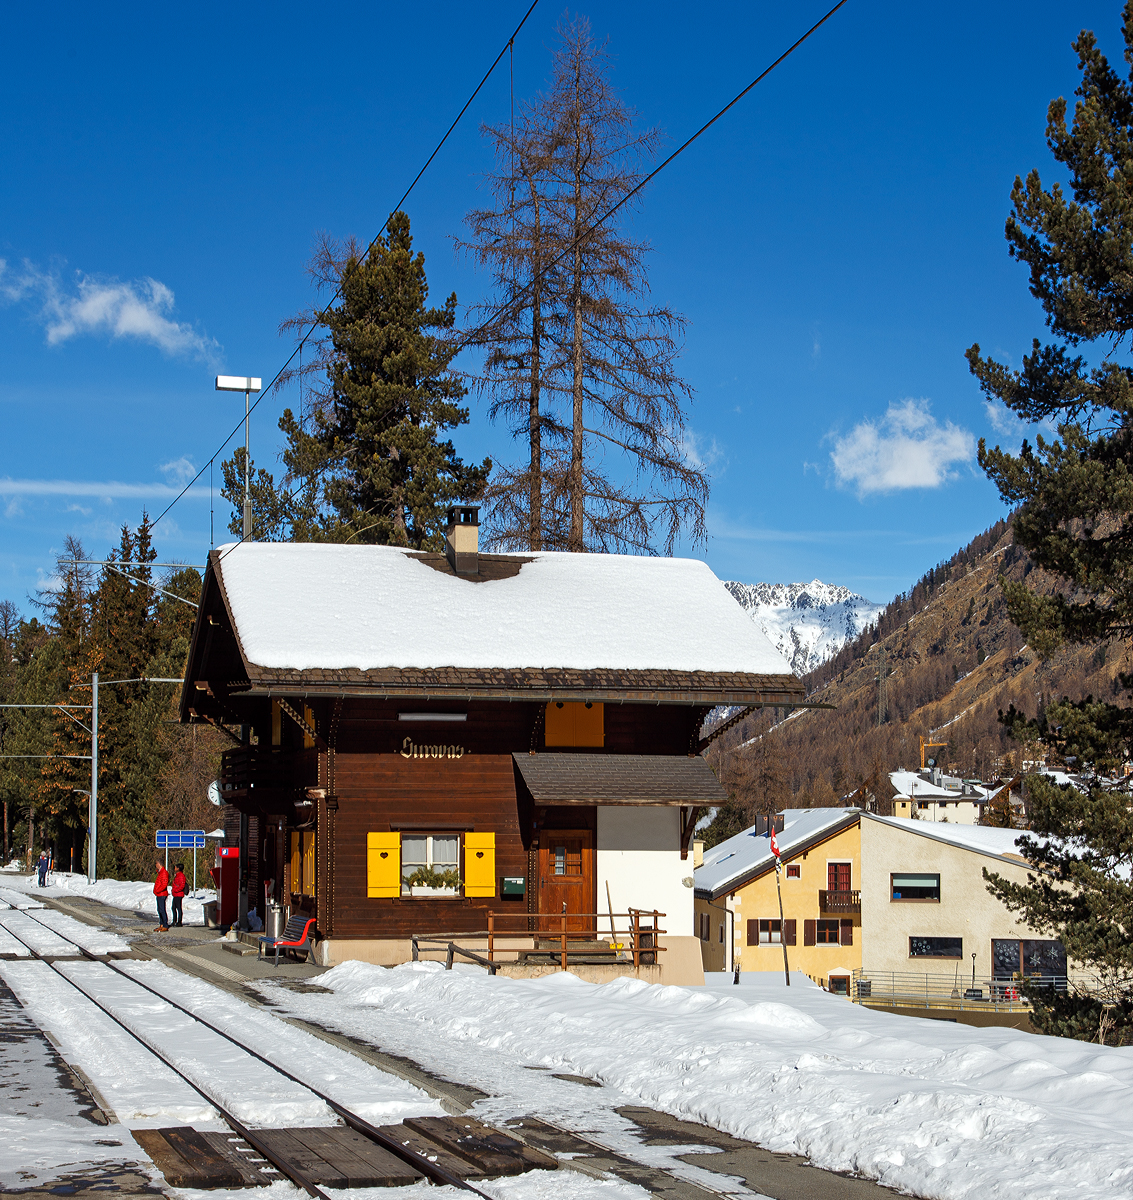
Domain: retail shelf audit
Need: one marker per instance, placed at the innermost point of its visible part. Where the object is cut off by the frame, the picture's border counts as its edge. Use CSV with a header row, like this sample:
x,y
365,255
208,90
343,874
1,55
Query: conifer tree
x,y
1075,519
366,460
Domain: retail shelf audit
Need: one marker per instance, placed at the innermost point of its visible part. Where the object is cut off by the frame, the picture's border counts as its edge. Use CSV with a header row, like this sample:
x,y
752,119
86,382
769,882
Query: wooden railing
x,y
839,902
558,936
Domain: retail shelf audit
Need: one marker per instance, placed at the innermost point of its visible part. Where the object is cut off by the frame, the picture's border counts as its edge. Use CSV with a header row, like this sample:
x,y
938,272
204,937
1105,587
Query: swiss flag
x,y
774,843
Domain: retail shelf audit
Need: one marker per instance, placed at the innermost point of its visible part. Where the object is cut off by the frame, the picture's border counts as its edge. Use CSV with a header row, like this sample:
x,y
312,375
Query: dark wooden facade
x,y
325,760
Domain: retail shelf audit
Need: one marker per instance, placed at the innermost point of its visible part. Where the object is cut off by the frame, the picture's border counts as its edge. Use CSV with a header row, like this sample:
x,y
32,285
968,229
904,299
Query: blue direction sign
x,y
180,839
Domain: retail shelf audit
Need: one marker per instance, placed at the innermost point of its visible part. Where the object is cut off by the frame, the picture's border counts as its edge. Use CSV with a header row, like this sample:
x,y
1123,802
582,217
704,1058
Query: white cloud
x,y
178,470
907,448
699,453
110,489
137,310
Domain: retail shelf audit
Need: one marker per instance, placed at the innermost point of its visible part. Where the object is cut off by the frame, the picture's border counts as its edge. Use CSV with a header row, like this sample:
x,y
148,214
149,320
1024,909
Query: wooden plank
x,y
255,1170
295,1156
493,1152
185,1159
532,1159
363,1162
434,1152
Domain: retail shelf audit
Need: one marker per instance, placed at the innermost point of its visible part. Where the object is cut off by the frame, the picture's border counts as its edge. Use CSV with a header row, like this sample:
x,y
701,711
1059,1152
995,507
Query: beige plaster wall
x,y
966,909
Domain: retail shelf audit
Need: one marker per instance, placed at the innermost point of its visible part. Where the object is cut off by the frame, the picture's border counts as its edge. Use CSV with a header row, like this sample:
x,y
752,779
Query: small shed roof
x,y
620,779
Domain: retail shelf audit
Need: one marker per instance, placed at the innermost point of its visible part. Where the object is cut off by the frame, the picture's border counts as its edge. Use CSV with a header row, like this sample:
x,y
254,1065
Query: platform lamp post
x,y
247,385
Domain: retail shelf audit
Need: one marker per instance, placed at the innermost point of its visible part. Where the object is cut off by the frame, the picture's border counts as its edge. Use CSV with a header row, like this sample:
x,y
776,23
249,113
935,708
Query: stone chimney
x,y
462,539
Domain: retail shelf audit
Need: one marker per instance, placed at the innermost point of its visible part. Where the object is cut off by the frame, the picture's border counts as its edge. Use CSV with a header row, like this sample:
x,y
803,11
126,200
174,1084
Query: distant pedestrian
x,y
180,884
41,867
161,890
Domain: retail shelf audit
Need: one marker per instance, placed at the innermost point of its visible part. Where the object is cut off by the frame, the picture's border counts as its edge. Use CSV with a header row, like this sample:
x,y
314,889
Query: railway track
x,y
432,1170
541,1142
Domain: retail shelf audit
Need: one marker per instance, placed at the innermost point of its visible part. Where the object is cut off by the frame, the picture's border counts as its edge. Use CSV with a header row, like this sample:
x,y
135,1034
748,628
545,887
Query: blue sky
x,y
835,242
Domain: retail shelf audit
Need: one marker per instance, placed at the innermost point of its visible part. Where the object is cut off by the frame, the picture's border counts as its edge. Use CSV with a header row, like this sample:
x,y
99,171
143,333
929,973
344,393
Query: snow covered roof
x,y
919,786
747,854
983,839
298,609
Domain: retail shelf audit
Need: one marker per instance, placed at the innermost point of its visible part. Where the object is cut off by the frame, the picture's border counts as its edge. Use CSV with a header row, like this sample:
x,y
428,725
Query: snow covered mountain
x,y
806,622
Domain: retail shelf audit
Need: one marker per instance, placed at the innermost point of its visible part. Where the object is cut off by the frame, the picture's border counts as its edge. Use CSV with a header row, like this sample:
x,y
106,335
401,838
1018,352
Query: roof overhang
x,y
626,779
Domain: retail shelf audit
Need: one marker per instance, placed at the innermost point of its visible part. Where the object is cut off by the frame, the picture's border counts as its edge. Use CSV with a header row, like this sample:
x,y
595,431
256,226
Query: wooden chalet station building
x,y
459,746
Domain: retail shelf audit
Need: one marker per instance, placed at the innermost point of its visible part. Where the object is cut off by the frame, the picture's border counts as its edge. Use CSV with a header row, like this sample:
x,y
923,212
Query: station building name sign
x,y
410,749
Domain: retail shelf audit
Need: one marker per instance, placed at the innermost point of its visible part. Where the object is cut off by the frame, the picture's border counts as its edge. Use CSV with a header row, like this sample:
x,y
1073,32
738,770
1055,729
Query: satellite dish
x,y
214,793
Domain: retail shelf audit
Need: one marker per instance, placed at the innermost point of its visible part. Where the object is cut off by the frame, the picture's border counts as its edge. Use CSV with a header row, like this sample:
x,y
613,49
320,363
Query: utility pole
x,y
92,851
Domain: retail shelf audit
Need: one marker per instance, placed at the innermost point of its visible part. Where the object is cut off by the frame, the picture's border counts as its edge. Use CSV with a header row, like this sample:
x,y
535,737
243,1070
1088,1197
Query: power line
x,y
470,338
396,208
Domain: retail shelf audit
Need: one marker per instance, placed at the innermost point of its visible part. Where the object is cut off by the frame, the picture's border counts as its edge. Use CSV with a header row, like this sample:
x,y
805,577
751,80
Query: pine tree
x,y
1075,519
365,459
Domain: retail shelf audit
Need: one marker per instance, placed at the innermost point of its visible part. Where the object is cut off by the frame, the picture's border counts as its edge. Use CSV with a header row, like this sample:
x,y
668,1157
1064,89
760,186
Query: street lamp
x,y
247,385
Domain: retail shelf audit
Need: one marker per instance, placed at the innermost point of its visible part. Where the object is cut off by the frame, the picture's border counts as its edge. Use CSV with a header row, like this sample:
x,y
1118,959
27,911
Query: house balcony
x,y
259,779
839,902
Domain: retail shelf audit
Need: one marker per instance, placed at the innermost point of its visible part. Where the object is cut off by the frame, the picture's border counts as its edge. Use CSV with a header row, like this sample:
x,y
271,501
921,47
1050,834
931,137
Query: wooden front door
x,y
566,876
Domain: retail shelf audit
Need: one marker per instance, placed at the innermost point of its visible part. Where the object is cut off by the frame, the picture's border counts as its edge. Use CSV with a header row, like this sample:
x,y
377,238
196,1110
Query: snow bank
x,y
131,895
940,1109
304,606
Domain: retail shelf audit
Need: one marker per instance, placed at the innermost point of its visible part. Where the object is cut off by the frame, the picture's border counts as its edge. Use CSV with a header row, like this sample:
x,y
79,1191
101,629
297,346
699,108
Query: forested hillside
x,y
952,660
125,625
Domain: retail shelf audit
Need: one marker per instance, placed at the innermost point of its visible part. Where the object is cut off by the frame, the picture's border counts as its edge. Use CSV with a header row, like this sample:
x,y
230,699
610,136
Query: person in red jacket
x,y
180,884
161,890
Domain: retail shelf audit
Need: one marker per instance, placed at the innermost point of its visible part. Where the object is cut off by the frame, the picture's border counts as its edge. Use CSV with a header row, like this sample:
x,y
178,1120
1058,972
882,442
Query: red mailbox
x,y
226,877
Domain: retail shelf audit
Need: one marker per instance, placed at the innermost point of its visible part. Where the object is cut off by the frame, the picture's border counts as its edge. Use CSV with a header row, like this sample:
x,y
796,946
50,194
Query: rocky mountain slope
x,y
951,661
806,622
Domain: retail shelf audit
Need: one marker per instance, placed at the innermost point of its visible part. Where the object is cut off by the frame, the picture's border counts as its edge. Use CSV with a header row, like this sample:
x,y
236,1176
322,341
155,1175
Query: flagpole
x,y
779,890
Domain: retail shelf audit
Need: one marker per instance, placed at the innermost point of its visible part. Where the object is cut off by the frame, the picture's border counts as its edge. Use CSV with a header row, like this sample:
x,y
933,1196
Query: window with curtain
x,y
430,861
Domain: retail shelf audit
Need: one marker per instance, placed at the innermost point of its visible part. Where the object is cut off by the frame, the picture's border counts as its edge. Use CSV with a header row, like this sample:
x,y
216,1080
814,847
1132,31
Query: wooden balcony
x,y
839,902
258,778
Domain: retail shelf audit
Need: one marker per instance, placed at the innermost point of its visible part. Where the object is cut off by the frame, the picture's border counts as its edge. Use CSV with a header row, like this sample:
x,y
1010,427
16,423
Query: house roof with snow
x,y
998,843
276,617
918,785
747,855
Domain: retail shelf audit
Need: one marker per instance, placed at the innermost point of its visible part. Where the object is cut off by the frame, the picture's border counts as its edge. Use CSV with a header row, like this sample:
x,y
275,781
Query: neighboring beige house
x,y
932,796
926,907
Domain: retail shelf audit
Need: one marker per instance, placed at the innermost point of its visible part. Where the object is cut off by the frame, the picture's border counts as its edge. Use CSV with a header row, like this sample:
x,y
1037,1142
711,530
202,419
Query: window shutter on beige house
x,y
789,931
808,932
753,933
846,931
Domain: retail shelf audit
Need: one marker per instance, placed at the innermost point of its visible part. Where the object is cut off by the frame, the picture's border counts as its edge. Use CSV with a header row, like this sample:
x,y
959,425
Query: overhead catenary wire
x,y
471,338
326,308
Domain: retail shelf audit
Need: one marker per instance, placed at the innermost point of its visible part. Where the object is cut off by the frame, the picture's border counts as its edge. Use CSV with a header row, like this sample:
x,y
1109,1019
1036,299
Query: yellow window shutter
x,y
479,864
296,863
589,728
276,724
309,717
308,864
383,864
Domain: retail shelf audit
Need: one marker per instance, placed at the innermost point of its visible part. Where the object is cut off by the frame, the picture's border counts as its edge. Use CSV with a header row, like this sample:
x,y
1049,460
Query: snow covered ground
x,y
132,895
41,939
939,1109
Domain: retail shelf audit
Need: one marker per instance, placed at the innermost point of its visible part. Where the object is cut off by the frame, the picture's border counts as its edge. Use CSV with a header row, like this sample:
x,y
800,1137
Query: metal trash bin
x,y
274,923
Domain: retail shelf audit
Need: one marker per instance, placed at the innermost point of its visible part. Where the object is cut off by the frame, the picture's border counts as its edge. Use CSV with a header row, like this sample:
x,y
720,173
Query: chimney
x,y
462,539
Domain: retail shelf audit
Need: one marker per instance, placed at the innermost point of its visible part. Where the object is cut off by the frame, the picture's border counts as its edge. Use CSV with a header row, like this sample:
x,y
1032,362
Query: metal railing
x,y
538,938
911,989
839,901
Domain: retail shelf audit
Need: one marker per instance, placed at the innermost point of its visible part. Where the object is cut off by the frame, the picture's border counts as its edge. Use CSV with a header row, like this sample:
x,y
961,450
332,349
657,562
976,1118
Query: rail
x,y
910,989
290,1170
552,936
